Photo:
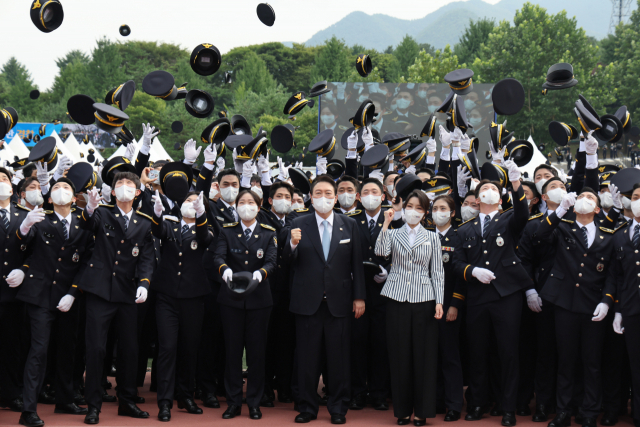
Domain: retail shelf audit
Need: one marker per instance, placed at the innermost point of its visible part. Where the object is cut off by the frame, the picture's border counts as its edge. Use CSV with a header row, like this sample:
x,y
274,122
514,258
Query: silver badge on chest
x,y
75,257
445,257
135,251
260,253
194,245
600,267
500,241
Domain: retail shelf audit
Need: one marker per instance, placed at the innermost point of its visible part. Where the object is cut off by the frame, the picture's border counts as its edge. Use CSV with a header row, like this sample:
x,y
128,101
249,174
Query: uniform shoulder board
x,y
73,209
430,229
343,127
535,216
106,206
230,224
264,209
417,115
171,218
47,212
302,210
507,210
569,221
386,206
607,230
469,220
23,207
268,227
621,226
144,215
353,212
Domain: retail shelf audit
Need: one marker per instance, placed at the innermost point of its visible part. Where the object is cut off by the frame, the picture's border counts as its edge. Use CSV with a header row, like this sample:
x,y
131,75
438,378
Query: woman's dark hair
x,y
486,181
448,200
546,184
324,178
189,194
550,168
422,199
253,195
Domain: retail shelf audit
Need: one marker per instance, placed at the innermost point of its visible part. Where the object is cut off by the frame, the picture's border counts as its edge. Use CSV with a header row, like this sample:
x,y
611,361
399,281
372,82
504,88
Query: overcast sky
x,y
226,24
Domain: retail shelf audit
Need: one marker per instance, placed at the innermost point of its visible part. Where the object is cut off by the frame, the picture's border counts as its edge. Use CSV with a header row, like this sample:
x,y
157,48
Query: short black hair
x,y
486,181
226,172
532,187
278,185
347,178
425,170
126,175
372,181
422,199
323,178
547,167
28,170
592,191
443,175
6,172
159,164
27,182
388,173
544,186
469,194
448,200
298,192
397,178
255,178
66,181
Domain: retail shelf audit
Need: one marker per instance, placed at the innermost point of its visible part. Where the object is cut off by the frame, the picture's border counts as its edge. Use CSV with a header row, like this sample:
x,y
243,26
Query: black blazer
x,y
121,261
180,273
340,277
624,272
259,253
454,288
13,250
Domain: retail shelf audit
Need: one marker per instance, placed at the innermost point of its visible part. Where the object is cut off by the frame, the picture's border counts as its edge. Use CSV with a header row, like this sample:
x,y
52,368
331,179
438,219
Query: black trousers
x,y
527,346
546,355
632,336
14,334
615,369
281,344
412,336
369,356
503,316
147,335
81,349
45,323
450,385
579,337
211,355
335,332
100,313
244,328
179,325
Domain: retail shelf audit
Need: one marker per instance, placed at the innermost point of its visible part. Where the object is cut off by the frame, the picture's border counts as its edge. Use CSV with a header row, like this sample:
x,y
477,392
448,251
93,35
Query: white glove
x,y
463,176
284,173
63,164
431,145
617,324
534,302
568,200
227,276
514,172
455,136
321,164
237,164
562,175
257,276
382,276
158,207
497,157
199,205
33,217
42,173
445,137
19,175
431,196
352,141
465,143
483,275
190,152
148,133
210,153
15,278
141,295
367,137
263,164
590,144
377,174
411,169
616,196
94,200
247,169
221,164
601,312
106,192
131,152
65,303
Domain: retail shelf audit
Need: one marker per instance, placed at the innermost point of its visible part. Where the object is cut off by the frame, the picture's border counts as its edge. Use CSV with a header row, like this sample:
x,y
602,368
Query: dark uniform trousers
x,y
211,355
632,335
546,355
13,341
450,383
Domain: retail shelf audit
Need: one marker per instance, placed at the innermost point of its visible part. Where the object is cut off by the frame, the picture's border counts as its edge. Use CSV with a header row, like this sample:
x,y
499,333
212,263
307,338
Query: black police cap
x,y
460,80
47,15
611,130
408,183
499,136
108,118
175,180
177,126
364,65
125,135
240,126
266,14
241,285
83,176
19,163
437,186
335,168
587,120
605,178
429,129
124,30
371,269
319,89
507,97
80,109
447,104
376,157
625,117
8,120
562,133
559,76
323,144
396,142
520,151
160,84
296,103
470,161
417,155
299,179
494,173
282,138
34,94
216,133
365,115
234,141
205,59
115,165
122,95
625,180
199,103
344,140
459,115
253,149
45,151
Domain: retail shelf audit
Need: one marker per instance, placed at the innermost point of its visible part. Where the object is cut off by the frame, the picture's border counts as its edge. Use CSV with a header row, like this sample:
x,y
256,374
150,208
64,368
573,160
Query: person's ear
x,y
113,193
534,200
270,201
138,191
50,201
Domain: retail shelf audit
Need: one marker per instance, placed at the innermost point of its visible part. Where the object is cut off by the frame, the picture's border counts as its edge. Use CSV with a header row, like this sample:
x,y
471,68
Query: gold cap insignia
x,y
36,5
298,96
111,118
432,183
359,60
601,168
207,45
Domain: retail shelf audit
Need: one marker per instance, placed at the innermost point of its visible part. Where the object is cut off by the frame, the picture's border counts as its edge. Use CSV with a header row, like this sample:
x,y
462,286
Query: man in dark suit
x,y
223,211
486,259
118,275
325,256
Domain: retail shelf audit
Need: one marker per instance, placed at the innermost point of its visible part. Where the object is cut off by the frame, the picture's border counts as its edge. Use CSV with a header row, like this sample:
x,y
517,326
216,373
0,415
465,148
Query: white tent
x,y
18,147
72,145
64,150
121,151
537,159
6,153
158,152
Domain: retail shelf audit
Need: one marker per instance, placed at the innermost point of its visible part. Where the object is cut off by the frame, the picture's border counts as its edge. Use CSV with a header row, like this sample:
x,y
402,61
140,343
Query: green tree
x,y
72,56
254,75
145,109
17,85
105,69
432,68
333,62
406,52
476,33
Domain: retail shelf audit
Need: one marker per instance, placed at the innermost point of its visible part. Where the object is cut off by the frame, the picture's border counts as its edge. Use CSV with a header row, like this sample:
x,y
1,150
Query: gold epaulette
x,y
23,207
508,209
144,215
73,209
567,220
535,216
268,227
607,230
301,210
354,212
469,220
48,212
171,218
386,206
230,224
263,208
105,206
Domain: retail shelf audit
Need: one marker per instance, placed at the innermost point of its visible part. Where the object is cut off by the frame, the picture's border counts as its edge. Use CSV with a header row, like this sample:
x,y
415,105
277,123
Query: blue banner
x,y
24,129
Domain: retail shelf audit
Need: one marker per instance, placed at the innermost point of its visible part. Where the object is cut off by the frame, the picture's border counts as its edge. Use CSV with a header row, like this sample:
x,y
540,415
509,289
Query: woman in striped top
x,y
415,292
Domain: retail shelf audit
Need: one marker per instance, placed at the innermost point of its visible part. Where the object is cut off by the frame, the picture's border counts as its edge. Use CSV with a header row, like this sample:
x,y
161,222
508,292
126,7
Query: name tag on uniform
x,y
345,241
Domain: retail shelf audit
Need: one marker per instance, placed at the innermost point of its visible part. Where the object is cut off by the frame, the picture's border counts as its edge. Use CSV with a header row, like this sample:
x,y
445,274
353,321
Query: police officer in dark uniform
x,y
123,252
224,211
245,246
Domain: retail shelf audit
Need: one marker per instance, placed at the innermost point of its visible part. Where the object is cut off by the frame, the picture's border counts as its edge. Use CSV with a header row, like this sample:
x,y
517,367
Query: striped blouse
x,y
416,272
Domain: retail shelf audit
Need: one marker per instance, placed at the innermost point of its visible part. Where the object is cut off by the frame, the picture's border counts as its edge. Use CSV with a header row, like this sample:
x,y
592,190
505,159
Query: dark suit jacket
x,y
624,272
340,277
13,250
454,289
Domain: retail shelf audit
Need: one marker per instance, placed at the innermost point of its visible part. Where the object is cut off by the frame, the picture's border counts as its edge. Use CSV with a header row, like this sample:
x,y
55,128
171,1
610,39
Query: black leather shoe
x,y
266,401
254,413
380,405
357,403
69,408
523,411
131,410
231,412
92,416
338,419
475,414
30,419
404,421
441,408
106,397
78,398
285,397
210,401
16,405
138,400
579,416
323,400
46,399
541,415
419,423
452,415
509,419
270,393
609,419
589,422
190,406
496,411
562,419
305,417
165,413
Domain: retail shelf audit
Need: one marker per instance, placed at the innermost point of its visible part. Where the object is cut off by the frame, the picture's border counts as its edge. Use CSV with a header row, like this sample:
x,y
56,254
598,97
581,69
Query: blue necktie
x,y
485,226
326,239
636,236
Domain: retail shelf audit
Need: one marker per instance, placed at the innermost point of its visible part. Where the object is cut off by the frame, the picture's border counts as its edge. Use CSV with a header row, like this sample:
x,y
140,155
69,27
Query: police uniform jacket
x,y
280,278
119,256
258,254
13,250
625,272
181,272
496,251
454,289
54,262
578,280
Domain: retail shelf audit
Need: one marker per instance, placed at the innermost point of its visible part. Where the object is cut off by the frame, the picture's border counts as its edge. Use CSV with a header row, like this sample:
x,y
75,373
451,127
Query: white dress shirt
x,y
251,227
235,212
591,232
182,224
374,218
68,219
128,215
443,233
482,216
319,220
412,233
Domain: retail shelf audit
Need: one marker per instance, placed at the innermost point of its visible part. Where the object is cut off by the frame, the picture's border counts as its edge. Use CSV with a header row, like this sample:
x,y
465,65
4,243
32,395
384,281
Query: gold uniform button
x,y
54,283
180,254
487,262
114,273
581,265
246,262
179,273
484,241
62,249
6,250
118,252
567,247
637,262
580,275
116,262
246,252
577,285
485,252
369,247
59,259
57,271
585,254
90,265
6,263
121,241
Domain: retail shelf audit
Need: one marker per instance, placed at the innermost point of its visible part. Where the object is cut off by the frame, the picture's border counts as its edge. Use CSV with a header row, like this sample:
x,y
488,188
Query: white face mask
x,y
432,108
187,210
34,197
296,206
390,189
229,194
247,212
327,119
323,204
626,203
584,206
347,199
5,191
411,216
441,218
469,104
539,185
635,207
489,197
606,200
422,94
468,212
213,193
403,104
556,195
282,206
258,191
473,185
475,121
61,197
125,193
371,202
